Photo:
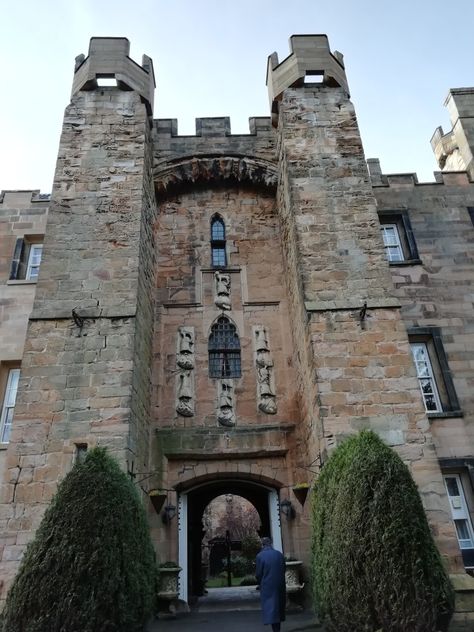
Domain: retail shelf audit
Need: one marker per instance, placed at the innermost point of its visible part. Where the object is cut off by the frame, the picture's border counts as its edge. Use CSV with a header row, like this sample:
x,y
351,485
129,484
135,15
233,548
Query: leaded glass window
x,y
218,251
224,350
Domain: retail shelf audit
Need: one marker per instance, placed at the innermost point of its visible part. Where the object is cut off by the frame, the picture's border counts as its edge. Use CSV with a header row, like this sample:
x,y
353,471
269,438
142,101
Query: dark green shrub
x,y
374,563
248,580
91,566
241,566
251,546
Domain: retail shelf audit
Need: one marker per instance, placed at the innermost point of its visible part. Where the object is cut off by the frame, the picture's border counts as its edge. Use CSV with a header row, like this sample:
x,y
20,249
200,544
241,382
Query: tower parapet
x,y
454,151
310,57
108,58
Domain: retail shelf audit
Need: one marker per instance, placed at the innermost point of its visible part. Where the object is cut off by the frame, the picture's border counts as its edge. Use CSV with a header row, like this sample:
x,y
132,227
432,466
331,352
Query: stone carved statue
x,y
222,298
185,378
225,406
185,404
185,356
265,381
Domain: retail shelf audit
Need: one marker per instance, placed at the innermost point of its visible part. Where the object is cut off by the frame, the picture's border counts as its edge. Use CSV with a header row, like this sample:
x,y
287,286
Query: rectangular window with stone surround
x,y
461,518
26,259
432,369
426,379
8,405
398,238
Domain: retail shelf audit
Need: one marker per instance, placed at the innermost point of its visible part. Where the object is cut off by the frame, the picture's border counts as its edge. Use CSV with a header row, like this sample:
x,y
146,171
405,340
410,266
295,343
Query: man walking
x,y
270,575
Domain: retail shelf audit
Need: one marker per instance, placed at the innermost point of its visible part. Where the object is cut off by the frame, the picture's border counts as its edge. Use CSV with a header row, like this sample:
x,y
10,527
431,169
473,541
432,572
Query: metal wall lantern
x,y
169,512
287,509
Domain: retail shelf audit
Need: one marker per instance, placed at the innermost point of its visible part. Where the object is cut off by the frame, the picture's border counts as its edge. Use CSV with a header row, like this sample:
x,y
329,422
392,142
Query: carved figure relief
x,y
185,378
185,357
185,404
225,403
222,298
266,396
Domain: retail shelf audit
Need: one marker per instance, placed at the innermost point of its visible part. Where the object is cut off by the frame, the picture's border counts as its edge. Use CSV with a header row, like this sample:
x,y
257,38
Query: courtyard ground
x,y
232,610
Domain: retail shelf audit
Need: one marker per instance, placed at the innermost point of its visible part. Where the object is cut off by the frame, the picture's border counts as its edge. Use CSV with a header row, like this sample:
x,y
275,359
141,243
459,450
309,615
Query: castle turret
x,y
454,151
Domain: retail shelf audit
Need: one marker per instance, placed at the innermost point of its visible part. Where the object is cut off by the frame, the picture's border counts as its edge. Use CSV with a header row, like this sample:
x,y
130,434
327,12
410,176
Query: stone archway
x,y
191,506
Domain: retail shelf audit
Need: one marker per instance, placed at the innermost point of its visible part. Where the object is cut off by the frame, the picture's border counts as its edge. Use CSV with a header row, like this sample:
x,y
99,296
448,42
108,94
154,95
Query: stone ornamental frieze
x,y
225,403
222,290
266,396
185,378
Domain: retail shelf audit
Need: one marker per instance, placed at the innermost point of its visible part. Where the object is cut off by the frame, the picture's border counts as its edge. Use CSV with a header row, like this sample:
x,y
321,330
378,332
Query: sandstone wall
x,y
22,213
364,373
437,292
77,370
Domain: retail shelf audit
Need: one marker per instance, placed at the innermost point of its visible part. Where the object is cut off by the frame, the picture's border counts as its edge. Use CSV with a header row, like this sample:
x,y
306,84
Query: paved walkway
x,y
232,610
237,621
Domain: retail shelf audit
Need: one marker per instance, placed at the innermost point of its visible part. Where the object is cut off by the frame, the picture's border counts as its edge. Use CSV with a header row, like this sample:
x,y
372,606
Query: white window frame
x,y
391,248
429,377
34,261
460,512
8,405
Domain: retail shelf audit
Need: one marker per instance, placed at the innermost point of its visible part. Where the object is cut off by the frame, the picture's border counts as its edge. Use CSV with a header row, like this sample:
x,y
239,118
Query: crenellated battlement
x,y
310,62
214,126
213,152
108,58
21,198
448,178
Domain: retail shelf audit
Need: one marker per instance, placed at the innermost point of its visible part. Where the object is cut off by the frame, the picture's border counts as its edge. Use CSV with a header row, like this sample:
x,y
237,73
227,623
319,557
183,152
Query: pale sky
x,y
210,60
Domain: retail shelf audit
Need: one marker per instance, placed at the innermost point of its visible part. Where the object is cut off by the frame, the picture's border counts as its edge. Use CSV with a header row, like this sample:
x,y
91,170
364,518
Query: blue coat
x,y
270,575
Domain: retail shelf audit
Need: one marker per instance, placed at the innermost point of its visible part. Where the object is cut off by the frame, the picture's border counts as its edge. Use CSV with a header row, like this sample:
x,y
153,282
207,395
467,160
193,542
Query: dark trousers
x,y
276,627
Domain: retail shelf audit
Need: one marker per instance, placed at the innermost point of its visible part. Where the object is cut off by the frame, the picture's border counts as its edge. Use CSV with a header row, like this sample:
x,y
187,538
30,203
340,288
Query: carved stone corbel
x,y
225,403
266,396
185,377
222,290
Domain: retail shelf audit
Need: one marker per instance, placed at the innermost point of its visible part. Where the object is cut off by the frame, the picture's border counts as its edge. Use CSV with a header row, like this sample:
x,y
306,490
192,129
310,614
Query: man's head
x,y
266,542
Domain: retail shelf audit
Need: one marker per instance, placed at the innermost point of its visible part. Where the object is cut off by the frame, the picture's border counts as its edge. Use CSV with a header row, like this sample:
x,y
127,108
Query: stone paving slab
x,y
233,621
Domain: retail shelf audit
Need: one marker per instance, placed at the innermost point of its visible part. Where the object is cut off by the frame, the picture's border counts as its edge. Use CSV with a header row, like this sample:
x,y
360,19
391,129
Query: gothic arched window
x,y
224,349
218,254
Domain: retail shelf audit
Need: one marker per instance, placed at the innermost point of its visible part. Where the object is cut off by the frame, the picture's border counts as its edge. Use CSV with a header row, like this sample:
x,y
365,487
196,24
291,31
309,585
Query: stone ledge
x,y
214,430
225,454
217,443
446,414
406,262
21,282
328,306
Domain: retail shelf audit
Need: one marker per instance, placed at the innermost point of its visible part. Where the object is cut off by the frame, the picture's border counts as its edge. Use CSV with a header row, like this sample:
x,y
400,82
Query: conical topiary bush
x,y
91,566
374,563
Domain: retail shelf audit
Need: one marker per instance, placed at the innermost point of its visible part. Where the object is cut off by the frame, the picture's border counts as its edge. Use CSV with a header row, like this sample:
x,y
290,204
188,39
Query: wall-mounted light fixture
x,y
169,512
287,509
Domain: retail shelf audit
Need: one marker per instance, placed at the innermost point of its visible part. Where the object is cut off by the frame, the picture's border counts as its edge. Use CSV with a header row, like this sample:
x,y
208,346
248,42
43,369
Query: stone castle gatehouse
x,y
221,310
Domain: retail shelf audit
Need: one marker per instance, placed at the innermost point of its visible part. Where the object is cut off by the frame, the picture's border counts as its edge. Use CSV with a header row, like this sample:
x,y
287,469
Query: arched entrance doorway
x,y
191,506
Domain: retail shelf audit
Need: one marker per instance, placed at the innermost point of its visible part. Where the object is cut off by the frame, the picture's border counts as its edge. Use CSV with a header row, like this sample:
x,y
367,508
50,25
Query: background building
x,y
221,310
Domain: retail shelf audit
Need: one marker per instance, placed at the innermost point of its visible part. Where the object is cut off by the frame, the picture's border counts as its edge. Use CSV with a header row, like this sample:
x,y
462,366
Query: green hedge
x,y
374,563
91,566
